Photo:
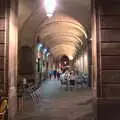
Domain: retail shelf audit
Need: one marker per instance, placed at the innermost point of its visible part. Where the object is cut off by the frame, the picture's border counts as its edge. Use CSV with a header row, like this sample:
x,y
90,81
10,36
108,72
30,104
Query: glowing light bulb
x,y
49,14
48,54
39,46
50,6
45,50
71,57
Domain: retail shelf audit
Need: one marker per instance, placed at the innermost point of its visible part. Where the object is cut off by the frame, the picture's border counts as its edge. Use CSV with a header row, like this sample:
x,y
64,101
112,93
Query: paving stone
x,y
57,104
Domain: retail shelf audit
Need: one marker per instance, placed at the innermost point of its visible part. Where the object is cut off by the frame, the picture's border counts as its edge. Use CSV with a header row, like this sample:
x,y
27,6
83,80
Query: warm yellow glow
x,y
63,18
77,64
85,58
61,51
63,26
61,34
71,57
86,62
53,37
63,47
81,63
53,43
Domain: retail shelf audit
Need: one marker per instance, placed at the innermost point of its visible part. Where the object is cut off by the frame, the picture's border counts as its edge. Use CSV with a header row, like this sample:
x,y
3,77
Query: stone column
x,y
106,58
83,60
26,66
12,59
89,62
81,63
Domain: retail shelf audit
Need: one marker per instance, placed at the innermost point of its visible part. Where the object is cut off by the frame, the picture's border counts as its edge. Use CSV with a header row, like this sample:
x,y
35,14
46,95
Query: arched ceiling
x,y
63,49
60,33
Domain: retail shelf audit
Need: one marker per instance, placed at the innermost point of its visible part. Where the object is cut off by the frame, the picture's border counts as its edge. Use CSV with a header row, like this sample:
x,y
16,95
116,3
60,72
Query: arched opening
x,y
62,31
65,37
60,44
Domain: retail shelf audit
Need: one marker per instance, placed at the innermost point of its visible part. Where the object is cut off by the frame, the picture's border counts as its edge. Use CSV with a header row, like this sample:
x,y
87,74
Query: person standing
x,y
50,74
72,80
55,74
58,75
67,78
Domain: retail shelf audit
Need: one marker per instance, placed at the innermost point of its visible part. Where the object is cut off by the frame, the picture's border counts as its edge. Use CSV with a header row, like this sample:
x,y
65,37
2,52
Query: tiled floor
x,y
55,103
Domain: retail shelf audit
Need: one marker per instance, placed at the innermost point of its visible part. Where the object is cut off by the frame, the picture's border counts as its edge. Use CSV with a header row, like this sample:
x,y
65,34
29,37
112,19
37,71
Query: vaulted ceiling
x,y
62,33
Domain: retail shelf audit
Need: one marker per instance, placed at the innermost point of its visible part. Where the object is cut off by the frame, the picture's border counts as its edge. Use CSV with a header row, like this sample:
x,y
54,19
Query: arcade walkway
x,y
57,104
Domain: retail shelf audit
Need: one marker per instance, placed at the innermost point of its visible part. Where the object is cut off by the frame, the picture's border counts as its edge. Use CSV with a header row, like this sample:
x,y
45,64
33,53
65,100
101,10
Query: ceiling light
x,y
48,54
49,14
44,50
50,6
71,57
40,46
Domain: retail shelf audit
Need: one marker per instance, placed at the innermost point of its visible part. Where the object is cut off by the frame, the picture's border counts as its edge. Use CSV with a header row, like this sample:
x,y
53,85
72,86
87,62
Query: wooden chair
x,y
3,108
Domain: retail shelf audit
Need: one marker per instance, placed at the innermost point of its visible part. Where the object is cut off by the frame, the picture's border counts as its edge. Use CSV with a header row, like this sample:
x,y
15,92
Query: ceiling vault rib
x,y
62,35
76,26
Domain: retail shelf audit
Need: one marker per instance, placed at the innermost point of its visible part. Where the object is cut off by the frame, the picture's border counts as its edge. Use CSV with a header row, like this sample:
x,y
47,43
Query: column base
x,y
107,109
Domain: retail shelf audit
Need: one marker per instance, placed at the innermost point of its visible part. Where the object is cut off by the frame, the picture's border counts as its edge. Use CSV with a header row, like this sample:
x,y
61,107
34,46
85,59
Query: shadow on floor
x,y
85,102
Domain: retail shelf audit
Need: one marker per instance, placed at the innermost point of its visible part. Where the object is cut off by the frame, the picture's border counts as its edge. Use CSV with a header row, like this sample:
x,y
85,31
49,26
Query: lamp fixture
x,y
40,46
71,57
44,50
50,6
48,54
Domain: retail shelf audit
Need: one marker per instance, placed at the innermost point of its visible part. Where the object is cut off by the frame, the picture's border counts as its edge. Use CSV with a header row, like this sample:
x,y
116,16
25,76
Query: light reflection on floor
x,y
56,103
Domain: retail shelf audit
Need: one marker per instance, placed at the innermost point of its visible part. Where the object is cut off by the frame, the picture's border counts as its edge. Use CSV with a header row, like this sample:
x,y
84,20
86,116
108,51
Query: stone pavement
x,y
56,103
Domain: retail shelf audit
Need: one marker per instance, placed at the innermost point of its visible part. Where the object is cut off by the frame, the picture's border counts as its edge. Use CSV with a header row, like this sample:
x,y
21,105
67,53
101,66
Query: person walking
x,y
50,74
58,75
72,82
55,74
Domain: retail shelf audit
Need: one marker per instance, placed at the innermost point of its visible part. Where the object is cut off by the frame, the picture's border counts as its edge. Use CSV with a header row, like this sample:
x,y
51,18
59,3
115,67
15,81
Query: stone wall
x,y
26,63
82,61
